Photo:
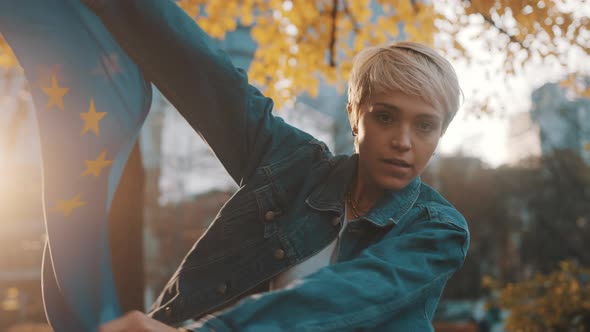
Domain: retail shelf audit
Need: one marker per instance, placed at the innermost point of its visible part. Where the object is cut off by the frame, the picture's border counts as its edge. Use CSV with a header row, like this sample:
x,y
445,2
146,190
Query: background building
x,y
564,122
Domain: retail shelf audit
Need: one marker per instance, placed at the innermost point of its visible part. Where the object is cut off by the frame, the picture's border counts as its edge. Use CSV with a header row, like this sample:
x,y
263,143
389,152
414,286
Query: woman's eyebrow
x,y
430,116
426,114
388,106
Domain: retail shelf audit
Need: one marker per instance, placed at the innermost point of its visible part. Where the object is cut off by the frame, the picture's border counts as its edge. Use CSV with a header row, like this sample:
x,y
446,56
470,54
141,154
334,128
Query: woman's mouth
x,y
398,162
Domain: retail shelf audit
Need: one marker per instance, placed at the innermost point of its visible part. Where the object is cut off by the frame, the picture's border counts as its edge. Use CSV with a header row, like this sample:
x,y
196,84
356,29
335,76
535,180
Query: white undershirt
x,y
325,257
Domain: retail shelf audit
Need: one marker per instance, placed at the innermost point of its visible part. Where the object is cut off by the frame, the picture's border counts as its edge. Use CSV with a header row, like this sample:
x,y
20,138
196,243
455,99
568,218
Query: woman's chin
x,y
394,183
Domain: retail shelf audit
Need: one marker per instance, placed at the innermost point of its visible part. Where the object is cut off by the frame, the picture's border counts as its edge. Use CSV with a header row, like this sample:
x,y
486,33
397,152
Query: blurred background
x,y
515,161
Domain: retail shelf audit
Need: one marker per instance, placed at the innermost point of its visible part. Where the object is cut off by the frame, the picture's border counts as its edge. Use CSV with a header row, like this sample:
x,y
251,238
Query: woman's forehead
x,y
397,101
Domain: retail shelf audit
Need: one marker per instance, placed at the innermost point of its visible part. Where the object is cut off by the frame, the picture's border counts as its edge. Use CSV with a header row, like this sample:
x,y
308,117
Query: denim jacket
x,y
392,263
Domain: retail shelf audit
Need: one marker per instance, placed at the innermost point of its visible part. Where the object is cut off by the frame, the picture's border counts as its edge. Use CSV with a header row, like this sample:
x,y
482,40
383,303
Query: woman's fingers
x,y
135,321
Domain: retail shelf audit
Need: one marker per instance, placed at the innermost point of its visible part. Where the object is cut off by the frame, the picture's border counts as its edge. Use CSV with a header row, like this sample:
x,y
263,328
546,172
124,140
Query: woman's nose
x,y
402,141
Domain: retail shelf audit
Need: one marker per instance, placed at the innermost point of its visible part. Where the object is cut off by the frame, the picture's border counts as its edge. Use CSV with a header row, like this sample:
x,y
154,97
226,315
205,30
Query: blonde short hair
x,y
408,67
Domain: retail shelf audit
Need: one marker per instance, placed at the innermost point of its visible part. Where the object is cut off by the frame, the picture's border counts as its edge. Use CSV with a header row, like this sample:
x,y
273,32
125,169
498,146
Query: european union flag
x,y
90,101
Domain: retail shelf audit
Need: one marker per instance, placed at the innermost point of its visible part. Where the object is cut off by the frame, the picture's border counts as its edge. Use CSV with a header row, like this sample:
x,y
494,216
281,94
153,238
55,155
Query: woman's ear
x,y
352,118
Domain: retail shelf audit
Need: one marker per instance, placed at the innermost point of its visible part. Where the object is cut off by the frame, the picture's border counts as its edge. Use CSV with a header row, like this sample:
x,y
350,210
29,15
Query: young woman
x,y
310,241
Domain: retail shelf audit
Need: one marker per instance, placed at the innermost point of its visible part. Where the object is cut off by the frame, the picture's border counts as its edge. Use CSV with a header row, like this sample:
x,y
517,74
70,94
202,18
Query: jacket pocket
x,y
269,211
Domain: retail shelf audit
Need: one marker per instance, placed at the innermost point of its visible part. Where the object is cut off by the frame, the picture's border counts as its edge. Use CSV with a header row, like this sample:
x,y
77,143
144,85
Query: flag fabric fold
x,y
90,101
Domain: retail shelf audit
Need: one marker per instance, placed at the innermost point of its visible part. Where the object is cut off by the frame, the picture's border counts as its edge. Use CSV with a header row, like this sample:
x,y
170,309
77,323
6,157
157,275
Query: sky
x,y
487,136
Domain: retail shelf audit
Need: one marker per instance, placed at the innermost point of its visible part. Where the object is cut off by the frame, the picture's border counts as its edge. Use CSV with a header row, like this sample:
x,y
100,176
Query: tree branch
x,y
333,34
504,32
355,24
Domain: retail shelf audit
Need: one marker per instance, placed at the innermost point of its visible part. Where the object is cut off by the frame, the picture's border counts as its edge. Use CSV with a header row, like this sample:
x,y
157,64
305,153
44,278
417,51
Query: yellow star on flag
x,y
55,93
45,72
91,119
94,167
66,207
587,146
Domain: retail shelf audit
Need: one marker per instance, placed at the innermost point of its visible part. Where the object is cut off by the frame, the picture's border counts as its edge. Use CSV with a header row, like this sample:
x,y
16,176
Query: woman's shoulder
x,y
439,208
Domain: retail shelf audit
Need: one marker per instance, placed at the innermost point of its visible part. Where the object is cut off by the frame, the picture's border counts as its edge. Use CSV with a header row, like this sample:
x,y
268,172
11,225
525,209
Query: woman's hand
x,y
135,321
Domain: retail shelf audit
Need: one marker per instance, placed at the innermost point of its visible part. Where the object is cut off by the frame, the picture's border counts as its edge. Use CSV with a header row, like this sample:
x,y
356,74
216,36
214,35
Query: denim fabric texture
x,y
393,263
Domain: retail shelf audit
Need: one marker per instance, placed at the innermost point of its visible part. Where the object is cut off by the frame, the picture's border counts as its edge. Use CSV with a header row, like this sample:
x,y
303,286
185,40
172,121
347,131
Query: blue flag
x,y
90,101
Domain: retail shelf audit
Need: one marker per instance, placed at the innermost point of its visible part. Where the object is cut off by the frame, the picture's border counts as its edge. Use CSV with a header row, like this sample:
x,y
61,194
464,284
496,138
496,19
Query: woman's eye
x,y
384,117
425,126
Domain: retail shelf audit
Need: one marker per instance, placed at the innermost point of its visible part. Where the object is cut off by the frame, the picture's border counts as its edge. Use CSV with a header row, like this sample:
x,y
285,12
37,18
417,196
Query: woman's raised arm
x,y
199,79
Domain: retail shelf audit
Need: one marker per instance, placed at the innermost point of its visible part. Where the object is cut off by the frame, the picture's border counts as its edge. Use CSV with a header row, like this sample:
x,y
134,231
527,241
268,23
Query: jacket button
x,y
168,311
270,215
279,254
222,288
336,221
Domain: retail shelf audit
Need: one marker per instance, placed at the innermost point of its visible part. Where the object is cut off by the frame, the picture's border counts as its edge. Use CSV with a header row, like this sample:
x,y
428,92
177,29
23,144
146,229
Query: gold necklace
x,y
355,212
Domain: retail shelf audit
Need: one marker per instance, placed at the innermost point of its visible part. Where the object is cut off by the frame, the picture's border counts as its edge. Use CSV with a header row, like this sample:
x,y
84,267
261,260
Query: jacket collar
x,y
329,196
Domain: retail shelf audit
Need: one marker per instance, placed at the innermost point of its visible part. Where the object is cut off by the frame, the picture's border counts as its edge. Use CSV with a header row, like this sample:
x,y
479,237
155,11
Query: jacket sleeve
x,y
198,78
397,274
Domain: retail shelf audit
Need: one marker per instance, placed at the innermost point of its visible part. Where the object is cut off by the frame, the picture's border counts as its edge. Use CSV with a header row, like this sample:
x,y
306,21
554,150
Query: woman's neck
x,y
363,195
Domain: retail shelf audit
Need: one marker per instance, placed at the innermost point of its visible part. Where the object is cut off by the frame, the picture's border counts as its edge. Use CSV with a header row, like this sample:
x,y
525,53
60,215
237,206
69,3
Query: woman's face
x,y
397,134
